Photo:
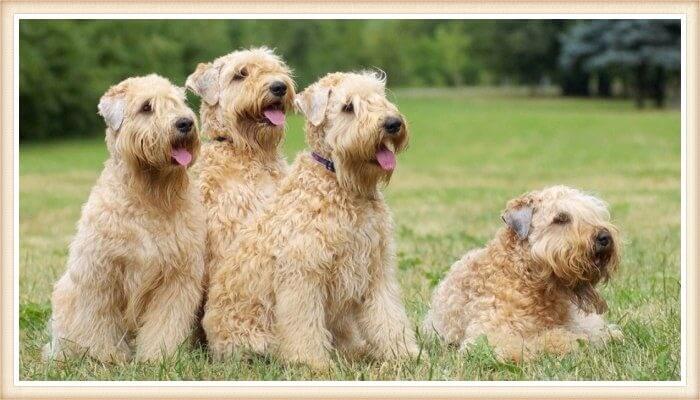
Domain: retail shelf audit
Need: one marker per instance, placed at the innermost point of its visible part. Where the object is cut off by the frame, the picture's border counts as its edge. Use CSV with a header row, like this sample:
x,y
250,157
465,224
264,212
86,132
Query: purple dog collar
x,y
326,163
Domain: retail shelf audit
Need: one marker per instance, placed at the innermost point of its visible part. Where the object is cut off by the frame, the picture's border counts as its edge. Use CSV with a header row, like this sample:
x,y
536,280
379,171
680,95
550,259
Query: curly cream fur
x,y
315,272
535,294
135,266
239,174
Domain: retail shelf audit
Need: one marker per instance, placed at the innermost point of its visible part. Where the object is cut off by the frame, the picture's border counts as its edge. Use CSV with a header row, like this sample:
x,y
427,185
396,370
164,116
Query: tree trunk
x,y
604,84
625,86
640,83
658,87
575,83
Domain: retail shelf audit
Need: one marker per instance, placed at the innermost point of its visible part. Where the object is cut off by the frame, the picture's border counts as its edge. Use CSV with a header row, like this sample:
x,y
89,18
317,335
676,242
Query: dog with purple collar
x,y
315,272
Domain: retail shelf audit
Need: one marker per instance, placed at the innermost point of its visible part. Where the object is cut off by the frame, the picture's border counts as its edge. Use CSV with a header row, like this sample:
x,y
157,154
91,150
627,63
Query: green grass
x,y
469,154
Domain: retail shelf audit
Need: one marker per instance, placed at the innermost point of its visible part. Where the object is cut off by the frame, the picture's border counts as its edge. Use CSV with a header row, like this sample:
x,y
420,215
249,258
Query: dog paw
x,y
47,353
152,354
112,355
121,357
615,332
412,350
317,363
354,350
147,358
400,352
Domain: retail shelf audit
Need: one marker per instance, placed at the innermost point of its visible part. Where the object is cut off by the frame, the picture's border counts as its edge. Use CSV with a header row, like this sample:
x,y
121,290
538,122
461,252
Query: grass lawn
x,y
469,153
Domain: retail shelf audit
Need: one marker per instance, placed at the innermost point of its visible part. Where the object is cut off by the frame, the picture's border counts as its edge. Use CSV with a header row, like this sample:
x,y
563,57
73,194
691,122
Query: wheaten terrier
x,y
245,95
315,271
135,266
532,288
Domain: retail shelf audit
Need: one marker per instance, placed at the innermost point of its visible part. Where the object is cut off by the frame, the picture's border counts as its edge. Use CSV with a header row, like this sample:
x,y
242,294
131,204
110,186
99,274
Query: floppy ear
x,y
111,108
312,102
204,81
519,219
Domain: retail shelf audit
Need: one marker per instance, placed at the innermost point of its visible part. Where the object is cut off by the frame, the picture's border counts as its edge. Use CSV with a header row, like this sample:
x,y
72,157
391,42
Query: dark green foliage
x,y
642,53
520,51
66,65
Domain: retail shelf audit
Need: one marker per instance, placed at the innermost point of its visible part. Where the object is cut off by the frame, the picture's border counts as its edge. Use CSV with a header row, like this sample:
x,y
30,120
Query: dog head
x,y
567,234
350,121
245,95
149,125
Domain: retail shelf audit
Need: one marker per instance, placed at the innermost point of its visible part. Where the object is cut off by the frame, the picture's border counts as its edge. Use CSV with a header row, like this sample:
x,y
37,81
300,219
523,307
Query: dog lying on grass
x,y
532,288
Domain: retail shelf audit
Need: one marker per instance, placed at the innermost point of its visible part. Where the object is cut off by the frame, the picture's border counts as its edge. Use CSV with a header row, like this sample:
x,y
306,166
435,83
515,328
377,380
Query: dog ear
x,y
111,108
519,220
204,82
312,102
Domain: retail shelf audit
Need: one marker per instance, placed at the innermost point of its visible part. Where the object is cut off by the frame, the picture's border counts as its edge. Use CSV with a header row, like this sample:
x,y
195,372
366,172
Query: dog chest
x,y
172,242
356,259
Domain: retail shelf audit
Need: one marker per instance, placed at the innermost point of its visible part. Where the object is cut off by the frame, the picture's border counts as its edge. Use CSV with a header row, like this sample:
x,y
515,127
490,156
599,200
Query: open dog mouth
x,y
274,114
181,155
385,156
181,151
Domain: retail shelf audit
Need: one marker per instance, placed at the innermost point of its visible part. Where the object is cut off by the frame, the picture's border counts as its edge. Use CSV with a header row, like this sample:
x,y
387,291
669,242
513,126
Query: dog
x,y
532,289
245,95
315,272
135,267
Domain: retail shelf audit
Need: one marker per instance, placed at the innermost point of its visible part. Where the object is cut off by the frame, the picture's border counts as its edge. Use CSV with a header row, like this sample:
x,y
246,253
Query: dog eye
x,y
240,75
348,108
562,218
146,107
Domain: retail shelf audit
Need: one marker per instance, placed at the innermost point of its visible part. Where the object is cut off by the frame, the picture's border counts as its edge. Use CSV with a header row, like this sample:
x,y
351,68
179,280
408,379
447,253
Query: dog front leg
x,y
593,326
347,338
169,318
300,321
86,318
384,322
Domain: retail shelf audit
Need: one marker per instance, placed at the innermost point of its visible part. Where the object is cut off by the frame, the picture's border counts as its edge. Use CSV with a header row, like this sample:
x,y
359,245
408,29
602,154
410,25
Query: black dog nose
x,y
603,241
392,125
278,88
184,125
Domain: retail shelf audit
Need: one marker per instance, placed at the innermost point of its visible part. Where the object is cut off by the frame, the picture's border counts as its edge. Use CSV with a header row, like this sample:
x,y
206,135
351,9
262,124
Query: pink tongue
x,y
275,116
386,159
182,156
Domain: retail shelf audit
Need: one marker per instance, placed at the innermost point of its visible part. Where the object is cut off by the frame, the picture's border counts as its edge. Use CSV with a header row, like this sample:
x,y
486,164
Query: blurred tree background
x,y
66,65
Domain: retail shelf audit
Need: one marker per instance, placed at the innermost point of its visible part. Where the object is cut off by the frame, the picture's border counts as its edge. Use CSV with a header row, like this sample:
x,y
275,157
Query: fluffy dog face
x,y
244,93
568,234
350,120
149,125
